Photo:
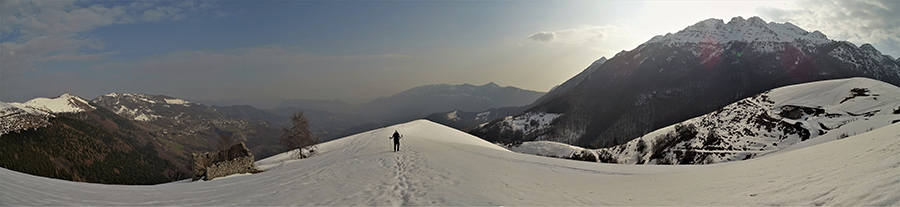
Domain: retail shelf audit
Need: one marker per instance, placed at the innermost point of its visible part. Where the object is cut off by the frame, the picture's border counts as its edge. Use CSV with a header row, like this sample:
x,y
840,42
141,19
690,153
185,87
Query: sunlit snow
x,y
438,165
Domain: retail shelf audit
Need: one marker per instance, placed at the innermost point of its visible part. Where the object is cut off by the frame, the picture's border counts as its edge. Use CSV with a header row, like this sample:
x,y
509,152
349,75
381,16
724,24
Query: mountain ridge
x,y
660,83
69,138
780,119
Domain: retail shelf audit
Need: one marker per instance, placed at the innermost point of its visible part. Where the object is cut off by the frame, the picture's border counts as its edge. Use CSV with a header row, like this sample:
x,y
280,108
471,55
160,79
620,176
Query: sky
x,y
267,51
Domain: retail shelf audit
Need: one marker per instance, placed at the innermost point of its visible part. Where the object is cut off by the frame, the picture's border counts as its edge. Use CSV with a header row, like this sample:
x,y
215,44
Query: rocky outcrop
x,y
235,160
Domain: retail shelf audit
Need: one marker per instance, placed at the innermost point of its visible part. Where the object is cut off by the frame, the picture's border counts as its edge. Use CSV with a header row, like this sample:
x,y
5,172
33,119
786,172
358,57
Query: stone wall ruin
x,y
234,160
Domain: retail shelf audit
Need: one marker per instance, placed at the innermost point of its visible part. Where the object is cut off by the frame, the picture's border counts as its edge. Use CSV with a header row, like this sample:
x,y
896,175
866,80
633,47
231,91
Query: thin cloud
x,y
18,58
77,57
607,39
52,30
875,22
581,35
542,36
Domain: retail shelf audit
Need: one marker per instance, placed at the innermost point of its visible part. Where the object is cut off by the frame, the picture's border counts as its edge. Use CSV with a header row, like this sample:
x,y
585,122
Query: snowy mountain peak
x,y
492,85
113,94
35,112
868,48
65,103
754,29
818,35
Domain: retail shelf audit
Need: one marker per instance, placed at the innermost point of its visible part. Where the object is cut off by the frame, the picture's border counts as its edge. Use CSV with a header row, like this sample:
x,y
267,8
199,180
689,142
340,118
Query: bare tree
x,y
299,137
224,142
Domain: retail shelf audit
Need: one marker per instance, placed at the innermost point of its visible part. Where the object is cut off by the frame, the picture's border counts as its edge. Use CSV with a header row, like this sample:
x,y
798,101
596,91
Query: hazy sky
x,y
358,50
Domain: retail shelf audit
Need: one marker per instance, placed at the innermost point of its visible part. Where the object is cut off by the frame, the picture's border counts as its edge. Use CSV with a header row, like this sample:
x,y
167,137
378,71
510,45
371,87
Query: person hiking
x,y
396,138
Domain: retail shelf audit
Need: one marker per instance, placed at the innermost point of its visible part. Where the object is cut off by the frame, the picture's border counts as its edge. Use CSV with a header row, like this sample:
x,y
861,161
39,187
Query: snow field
x,y
65,103
438,165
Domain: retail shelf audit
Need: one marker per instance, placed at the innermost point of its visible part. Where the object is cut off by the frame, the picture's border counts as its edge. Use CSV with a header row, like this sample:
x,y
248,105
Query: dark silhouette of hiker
x,y
396,138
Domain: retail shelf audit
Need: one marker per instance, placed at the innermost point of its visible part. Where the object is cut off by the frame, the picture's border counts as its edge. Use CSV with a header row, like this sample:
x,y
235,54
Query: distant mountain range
x,y
191,127
334,106
695,71
158,133
422,101
69,138
468,120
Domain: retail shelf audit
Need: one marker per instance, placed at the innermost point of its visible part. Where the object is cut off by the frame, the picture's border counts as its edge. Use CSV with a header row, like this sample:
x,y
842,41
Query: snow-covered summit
x,y
35,112
683,75
755,29
65,103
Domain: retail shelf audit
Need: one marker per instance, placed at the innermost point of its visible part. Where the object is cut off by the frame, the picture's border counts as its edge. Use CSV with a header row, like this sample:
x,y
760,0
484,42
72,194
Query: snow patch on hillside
x,y
177,101
452,116
529,122
483,116
140,107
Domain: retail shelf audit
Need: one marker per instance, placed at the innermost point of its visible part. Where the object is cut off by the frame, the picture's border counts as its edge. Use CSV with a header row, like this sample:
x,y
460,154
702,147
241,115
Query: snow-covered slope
x,y
34,113
145,107
526,123
548,148
801,115
16,116
441,166
66,103
785,118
